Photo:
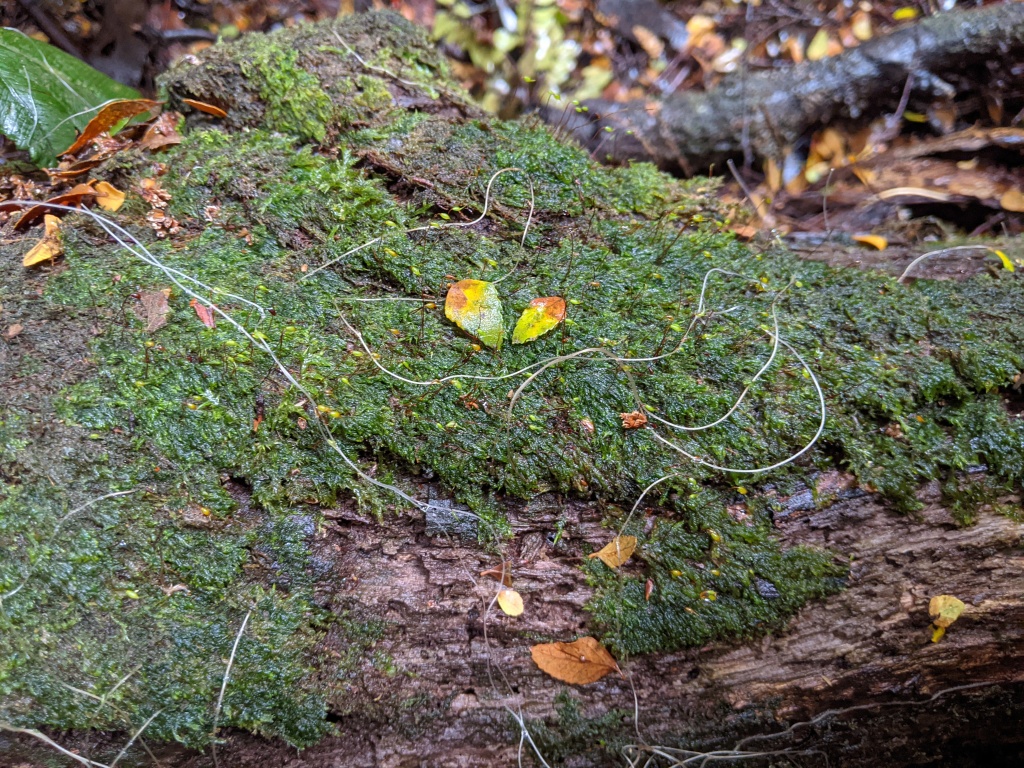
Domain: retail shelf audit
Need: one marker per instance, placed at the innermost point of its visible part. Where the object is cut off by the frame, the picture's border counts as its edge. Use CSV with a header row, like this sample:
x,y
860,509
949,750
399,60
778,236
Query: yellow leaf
x,y
511,602
475,306
875,241
539,317
617,551
109,197
818,47
861,26
905,13
944,610
1007,264
49,247
578,663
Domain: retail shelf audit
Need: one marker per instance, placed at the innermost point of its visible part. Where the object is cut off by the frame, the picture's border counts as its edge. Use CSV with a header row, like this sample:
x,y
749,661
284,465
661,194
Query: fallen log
x,y
255,516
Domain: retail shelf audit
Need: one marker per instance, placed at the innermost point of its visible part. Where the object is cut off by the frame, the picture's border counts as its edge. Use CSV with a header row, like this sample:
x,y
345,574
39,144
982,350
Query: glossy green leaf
x,y
47,95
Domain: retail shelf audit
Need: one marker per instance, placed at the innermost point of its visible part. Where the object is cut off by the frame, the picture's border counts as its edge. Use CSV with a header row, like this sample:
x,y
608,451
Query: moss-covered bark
x,y
319,217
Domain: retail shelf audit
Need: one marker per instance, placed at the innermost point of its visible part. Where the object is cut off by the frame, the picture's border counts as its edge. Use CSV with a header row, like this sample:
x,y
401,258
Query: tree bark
x,y
764,114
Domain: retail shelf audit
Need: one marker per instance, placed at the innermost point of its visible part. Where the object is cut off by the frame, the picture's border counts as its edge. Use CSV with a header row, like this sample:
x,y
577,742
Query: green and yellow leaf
x,y
539,317
475,306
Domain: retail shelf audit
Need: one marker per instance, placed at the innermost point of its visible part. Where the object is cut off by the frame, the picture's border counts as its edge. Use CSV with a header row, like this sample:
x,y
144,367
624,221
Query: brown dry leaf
x,y
503,573
202,106
1012,200
633,420
511,602
577,663
112,114
162,133
204,313
617,551
14,330
109,197
49,247
76,196
154,308
649,41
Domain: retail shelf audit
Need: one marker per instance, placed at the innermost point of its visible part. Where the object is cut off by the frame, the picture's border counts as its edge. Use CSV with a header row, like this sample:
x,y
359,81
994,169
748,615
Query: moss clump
x,y
187,416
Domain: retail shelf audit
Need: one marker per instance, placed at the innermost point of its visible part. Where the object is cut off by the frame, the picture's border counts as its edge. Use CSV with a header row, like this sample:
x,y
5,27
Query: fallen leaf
x,y
502,573
109,197
475,306
49,247
540,316
633,420
1007,264
76,196
202,106
617,551
112,114
511,602
14,330
578,663
154,308
163,132
944,610
875,241
1012,200
204,313
648,590
818,46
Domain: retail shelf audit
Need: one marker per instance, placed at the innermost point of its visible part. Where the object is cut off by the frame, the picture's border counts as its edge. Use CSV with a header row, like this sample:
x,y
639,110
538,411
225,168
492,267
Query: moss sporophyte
x,y
346,380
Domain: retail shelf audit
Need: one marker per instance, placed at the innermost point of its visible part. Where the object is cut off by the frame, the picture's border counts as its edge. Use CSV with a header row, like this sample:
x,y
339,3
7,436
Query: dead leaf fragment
x,y
511,602
154,308
503,573
875,241
109,197
49,247
202,106
14,330
617,551
112,114
577,663
204,313
75,197
633,420
162,133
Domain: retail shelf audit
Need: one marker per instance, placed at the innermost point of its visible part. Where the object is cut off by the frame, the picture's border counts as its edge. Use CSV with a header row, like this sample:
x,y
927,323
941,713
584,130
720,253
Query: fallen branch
x,y
762,114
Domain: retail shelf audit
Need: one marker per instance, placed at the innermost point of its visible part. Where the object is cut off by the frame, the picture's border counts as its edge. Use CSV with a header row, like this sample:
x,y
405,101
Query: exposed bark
x,y
861,664
764,113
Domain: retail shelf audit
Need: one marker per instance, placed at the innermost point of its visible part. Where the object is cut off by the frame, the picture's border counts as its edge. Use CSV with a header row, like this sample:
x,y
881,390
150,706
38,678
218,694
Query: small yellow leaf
x,y
108,197
578,663
937,634
617,551
511,602
944,610
49,247
818,46
475,306
905,13
539,317
875,241
1007,264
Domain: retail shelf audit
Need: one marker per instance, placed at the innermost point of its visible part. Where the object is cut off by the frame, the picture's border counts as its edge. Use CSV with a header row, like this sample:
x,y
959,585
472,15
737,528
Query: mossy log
x,y
268,531
767,114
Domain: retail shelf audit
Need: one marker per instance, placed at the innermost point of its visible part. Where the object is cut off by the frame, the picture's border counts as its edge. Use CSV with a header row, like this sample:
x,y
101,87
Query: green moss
x,y
575,735
295,102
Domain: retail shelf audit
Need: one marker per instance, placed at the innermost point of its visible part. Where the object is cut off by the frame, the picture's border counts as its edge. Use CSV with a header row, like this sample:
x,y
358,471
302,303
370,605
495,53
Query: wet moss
x,y
913,375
